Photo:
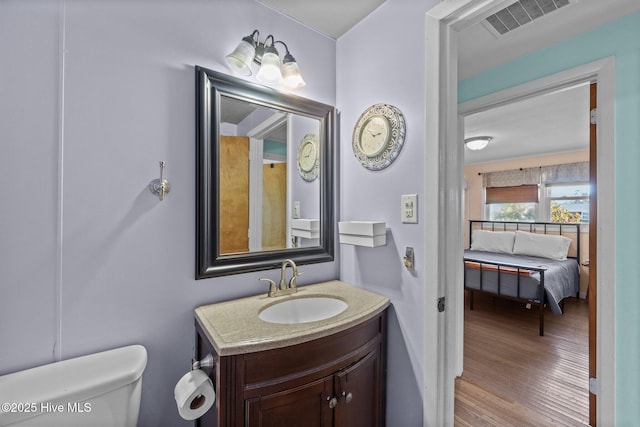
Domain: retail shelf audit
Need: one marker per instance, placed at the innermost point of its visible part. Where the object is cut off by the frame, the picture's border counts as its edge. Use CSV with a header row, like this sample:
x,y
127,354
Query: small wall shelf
x,y
306,228
370,234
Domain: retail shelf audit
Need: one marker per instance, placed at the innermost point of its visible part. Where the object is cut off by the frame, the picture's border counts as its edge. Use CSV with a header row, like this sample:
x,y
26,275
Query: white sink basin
x,y
303,310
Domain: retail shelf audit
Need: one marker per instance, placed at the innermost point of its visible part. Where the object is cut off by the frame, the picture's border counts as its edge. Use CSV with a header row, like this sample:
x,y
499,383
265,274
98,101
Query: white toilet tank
x,y
101,389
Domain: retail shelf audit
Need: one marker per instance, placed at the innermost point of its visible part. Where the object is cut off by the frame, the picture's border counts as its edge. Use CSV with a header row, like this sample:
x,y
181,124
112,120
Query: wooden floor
x,y
514,377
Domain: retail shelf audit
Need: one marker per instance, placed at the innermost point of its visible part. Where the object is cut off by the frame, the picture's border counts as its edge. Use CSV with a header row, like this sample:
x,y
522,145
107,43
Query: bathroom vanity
x,y
328,372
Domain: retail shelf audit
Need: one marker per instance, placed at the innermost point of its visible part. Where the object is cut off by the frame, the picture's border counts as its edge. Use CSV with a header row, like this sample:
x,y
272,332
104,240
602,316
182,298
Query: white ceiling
x,y
332,18
480,50
548,124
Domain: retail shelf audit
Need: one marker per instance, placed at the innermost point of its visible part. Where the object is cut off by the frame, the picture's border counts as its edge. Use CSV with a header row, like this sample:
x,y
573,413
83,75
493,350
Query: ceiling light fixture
x,y
272,71
477,142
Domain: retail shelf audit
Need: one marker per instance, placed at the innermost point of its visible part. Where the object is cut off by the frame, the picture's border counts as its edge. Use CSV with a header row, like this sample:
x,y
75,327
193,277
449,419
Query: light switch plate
x,y
409,208
296,209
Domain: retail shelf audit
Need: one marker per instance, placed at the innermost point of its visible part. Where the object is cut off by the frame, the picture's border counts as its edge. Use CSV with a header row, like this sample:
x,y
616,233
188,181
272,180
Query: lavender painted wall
x,y
381,60
307,193
29,167
89,259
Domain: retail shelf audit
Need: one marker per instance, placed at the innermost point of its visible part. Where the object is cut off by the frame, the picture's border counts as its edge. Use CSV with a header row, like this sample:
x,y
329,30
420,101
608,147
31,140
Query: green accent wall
x,y
620,40
275,147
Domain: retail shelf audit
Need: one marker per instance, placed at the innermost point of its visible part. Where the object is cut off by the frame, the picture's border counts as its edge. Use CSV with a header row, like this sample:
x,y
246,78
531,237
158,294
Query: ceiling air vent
x,y
520,13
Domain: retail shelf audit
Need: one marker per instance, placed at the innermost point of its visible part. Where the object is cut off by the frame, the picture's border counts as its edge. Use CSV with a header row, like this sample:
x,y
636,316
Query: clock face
x,y
374,136
378,136
308,157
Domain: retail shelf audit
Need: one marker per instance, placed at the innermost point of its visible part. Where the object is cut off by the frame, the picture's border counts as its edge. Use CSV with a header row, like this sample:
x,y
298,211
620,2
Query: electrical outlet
x,y
409,208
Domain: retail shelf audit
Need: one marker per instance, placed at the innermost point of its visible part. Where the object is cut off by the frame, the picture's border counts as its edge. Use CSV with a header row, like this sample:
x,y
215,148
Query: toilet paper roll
x,y
194,394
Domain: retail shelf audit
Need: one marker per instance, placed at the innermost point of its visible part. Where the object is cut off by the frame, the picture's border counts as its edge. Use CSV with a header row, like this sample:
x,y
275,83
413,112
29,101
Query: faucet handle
x,y
292,281
272,286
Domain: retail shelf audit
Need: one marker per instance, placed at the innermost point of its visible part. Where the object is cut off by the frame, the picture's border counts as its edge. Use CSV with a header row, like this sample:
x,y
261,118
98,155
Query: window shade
x,y
511,178
568,172
514,194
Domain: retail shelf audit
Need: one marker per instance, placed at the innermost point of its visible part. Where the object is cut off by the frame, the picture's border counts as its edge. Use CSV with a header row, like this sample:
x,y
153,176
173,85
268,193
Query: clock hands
x,y
307,151
373,134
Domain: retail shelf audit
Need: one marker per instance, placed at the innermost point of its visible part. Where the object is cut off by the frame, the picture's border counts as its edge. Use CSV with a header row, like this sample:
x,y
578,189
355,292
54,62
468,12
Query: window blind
x,y
512,194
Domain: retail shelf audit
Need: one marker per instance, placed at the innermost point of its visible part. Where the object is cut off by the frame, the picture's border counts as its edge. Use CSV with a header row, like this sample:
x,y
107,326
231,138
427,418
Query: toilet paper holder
x,y
206,362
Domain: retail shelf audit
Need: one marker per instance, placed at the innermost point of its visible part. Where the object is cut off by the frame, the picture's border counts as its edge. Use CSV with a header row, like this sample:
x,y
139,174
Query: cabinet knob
x,y
348,397
332,402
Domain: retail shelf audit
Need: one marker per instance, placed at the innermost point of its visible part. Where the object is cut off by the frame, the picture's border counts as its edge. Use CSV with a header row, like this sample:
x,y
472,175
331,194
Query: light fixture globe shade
x,y
270,72
241,58
291,75
477,143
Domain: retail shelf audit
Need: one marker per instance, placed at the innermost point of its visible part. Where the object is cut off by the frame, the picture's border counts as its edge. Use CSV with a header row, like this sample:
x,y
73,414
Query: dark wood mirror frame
x,y
210,86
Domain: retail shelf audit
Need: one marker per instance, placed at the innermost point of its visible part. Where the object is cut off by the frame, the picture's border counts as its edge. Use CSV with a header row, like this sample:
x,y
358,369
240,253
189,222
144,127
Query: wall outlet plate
x,y
408,258
409,208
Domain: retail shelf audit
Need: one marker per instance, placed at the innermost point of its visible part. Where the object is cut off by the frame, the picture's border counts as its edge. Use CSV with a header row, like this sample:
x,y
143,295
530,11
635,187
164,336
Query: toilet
x,y
101,389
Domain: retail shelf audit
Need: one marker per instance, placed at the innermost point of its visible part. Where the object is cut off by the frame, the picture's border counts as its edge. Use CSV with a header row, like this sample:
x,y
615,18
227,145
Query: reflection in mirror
x,y
259,183
264,185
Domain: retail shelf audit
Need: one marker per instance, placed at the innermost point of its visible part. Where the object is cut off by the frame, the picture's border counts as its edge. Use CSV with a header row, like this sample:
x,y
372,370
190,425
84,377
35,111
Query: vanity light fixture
x,y
272,71
477,142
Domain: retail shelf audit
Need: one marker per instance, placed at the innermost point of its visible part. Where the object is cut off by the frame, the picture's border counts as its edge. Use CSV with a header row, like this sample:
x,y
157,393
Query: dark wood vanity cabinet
x,y
338,380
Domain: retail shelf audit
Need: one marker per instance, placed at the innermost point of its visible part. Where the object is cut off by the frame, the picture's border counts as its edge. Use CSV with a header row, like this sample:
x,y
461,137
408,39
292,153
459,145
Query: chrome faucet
x,y
285,288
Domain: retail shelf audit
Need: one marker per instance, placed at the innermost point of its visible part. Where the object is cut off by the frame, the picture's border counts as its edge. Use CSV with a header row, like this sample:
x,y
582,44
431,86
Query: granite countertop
x,y
233,327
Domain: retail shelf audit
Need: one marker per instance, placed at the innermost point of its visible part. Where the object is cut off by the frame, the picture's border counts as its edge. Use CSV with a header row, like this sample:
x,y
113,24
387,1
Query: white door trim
x,y
256,145
444,183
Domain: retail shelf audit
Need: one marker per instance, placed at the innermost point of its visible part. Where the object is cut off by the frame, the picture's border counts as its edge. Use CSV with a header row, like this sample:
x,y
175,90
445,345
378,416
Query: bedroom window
x,y
561,202
512,211
512,203
567,202
554,193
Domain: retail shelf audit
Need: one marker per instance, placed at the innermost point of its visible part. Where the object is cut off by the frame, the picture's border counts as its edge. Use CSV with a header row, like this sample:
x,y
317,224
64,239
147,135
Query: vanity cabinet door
x,y
360,398
305,406
337,380
350,398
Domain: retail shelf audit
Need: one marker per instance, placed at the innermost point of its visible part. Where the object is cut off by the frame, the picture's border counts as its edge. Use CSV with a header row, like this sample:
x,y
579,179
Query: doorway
x,y
443,124
522,378
602,153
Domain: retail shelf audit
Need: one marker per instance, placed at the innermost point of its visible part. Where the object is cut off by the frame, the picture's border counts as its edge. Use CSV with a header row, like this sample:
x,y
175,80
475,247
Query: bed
x,y
533,262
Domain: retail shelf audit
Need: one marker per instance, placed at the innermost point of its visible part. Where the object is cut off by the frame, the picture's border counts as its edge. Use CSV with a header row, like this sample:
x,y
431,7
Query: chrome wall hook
x,y
160,187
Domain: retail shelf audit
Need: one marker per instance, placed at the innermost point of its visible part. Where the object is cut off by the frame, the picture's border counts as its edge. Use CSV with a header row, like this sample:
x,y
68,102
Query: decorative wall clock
x,y
308,157
378,136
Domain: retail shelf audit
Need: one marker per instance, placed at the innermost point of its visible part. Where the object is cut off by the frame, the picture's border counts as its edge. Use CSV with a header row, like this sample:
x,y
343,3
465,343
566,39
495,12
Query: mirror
x,y
264,177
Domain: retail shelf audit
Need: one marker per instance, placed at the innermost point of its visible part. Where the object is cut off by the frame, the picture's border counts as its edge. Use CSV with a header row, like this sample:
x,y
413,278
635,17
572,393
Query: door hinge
x,y
440,304
594,116
594,386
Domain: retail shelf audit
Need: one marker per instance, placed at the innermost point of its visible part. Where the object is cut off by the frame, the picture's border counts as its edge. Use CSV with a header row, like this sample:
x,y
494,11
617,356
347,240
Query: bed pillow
x,y
541,245
492,241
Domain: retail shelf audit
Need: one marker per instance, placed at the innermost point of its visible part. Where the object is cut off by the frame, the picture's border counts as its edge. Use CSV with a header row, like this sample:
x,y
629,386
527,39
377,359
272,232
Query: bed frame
x,y
514,268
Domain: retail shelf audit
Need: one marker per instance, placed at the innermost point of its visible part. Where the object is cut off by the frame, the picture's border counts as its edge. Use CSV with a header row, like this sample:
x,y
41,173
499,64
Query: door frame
x,y
256,136
443,119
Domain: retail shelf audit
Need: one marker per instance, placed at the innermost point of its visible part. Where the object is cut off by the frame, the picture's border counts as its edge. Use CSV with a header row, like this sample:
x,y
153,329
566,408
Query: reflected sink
x,y
303,310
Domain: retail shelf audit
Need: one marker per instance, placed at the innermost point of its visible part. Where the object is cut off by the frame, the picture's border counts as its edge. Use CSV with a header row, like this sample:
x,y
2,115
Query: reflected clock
x,y
309,157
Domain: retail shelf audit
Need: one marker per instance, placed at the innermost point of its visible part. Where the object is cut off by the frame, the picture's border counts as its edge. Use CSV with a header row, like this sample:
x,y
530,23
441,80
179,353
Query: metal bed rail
x,y
508,268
